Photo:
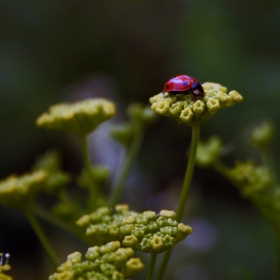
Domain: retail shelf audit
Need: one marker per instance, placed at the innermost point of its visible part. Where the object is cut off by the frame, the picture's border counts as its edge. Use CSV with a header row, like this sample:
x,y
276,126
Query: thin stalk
x,y
127,165
188,174
184,192
163,264
42,237
43,214
152,262
95,197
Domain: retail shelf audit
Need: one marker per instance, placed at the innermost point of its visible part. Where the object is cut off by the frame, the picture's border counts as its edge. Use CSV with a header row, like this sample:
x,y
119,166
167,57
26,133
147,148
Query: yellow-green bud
x,y
157,244
130,241
121,208
49,162
83,221
123,133
56,182
110,247
92,253
79,118
100,175
133,267
262,135
209,152
66,210
167,214
250,179
141,113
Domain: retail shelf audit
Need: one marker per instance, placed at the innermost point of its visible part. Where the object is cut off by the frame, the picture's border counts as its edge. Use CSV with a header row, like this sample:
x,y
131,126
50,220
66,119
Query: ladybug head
x,y
197,89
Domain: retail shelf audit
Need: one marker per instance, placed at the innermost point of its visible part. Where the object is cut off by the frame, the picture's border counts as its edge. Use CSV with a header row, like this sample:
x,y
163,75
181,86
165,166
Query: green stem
x,y
42,237
95,197
153,258
163,264
129,159
184,192
188,174
43,214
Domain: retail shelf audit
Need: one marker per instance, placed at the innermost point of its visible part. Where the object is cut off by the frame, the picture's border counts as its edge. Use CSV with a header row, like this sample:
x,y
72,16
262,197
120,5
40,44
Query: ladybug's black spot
x,y
186,83
167,86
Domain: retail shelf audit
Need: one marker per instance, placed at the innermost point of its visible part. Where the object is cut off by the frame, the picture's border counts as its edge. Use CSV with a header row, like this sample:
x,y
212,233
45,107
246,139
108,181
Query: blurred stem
x,y
42,237
184,192
163,264
130,156
153,258
43,214
95,197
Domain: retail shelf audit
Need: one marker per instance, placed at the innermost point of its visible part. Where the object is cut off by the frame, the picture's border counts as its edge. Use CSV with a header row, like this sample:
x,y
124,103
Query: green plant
x,y
258,183
112,231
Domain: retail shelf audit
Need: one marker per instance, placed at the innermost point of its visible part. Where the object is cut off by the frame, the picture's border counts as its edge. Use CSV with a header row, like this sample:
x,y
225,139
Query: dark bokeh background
x,y
54,51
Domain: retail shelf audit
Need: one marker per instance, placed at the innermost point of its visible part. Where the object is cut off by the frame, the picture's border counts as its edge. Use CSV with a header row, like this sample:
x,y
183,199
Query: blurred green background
x,y
54,51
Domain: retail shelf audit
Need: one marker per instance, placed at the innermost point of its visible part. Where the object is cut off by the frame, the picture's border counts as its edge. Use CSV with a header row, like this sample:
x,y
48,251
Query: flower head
x,y
79,118
194,111
106,262
20,191
250,179
146,232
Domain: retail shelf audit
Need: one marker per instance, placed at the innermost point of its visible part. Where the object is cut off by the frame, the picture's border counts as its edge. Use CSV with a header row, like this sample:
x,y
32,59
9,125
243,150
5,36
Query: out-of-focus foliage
x,y
127,50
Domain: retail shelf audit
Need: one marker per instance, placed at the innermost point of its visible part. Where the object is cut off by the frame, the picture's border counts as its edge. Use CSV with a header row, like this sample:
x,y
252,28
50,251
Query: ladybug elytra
x,y
183,84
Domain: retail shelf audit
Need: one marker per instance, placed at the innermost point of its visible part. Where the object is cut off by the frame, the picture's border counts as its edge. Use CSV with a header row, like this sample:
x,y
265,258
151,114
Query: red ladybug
x,y
183,84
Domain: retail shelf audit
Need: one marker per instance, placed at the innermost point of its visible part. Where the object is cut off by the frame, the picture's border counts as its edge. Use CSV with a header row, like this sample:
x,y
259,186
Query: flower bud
x,y
133,267
209,152
141,113
262,135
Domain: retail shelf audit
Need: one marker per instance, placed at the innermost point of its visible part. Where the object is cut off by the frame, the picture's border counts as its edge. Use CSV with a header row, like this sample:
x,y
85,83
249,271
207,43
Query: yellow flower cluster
x,y
107,262
250,179
79,118
147,232
193,111
19,191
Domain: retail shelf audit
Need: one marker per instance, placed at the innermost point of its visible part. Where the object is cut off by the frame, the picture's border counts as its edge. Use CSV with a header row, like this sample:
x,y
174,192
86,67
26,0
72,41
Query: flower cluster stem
x,y
189,173
42,237
96,199
153,258
129,159
71,228
184,192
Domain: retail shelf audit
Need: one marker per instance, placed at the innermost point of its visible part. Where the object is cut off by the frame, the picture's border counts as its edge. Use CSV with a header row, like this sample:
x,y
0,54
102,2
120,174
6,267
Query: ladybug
x,y
183,84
